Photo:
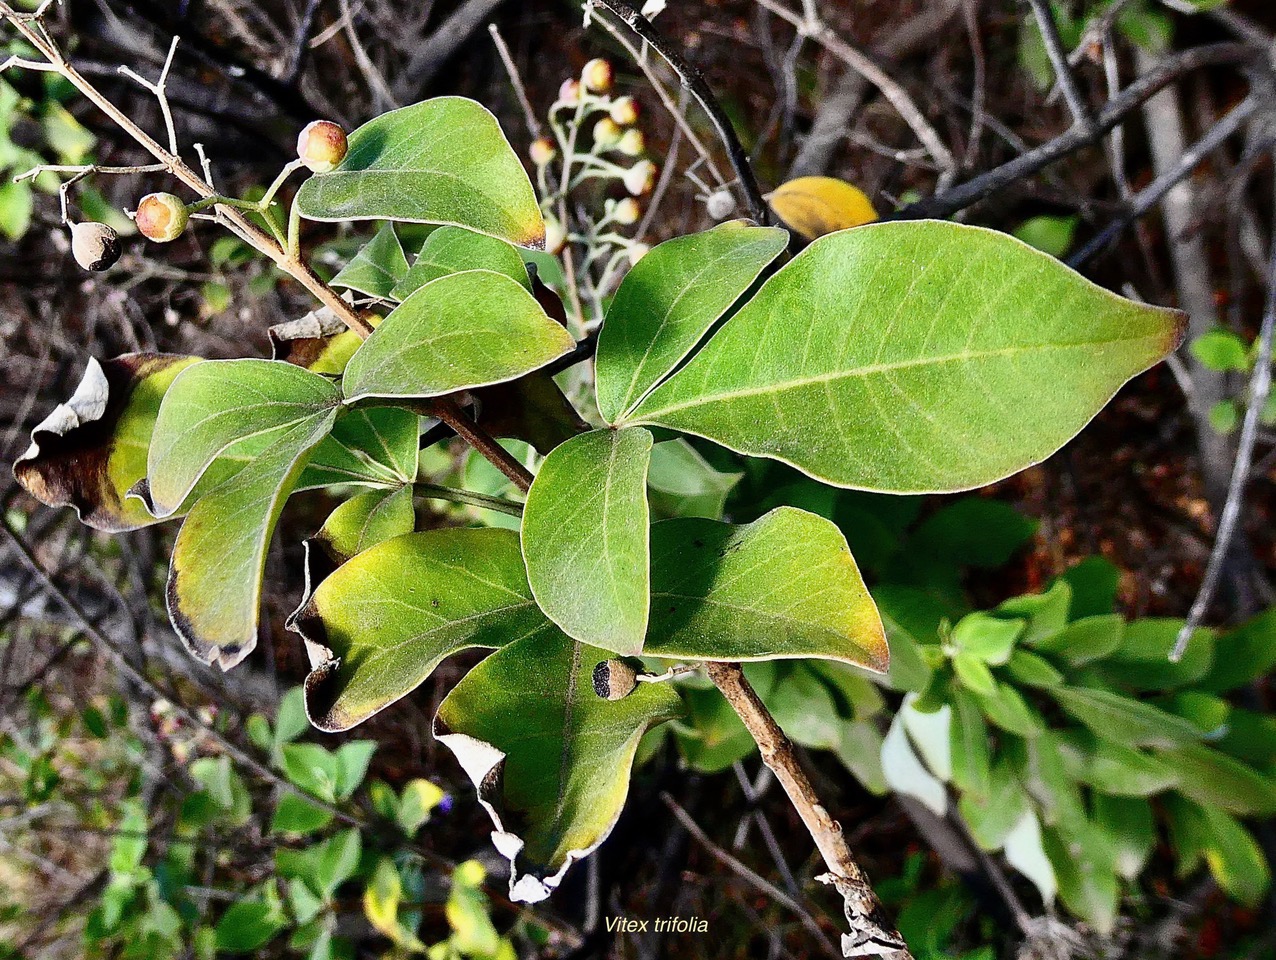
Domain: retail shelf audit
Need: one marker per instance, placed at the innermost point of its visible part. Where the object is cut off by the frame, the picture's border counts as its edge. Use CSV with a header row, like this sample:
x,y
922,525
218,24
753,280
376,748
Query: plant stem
x,y
433,491
871,932
450,412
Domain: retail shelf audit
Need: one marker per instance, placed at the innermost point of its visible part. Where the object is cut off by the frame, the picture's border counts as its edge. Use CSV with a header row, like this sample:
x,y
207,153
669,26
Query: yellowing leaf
x,y
814,206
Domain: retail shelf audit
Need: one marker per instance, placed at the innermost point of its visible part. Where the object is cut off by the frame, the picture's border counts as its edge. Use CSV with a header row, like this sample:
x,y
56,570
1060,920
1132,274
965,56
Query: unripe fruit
x,y
555,236
632,144
569,92
95,246
720,204
597,75
627,212
161,217
322,145
607,133
624,111
640,178
543,151
615,679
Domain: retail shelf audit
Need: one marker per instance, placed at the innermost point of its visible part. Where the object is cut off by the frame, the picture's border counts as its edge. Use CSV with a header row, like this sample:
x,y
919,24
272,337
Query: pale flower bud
x,y
607,133
625,111
543,151
640,178
636,252
95,246
569,92
555,236
322,145
627,212
161,217
597,76
632,144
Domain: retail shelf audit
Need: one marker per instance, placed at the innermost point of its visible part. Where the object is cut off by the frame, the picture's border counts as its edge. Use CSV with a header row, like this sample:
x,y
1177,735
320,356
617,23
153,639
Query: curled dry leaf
x,y
89,451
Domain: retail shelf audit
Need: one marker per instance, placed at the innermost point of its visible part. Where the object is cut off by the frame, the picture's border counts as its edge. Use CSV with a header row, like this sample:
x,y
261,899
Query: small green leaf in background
x,y
1123,719
1221,350
461,331
439,161
248,925
682,483
1244,654
555,781
926,377
803,706
783,586
450,250
1215,780
1085,640
89,452
365,520
378,266
669,301
17,205
294,814
417,802
1130,830
1094,583
585,538
1052,235
987,638
1085,869
467,912
378,626
1224,416
1142,660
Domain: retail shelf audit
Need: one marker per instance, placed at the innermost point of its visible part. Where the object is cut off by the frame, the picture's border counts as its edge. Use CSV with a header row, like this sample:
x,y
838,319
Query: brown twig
x,y
872,933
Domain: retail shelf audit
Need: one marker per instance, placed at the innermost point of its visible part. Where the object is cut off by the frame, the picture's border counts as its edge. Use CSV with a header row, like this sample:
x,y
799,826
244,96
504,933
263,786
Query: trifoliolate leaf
x,y
214,406
439,161
669,301
365,520
377,267
815,206
913,358
585,538
783,586
461,331
378,626
89,452
214,579
550,758
368,446
455,250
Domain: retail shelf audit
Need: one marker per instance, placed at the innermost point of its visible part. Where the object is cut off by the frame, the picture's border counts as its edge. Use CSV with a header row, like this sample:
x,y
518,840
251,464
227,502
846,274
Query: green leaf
x,y
1142,661
1216,780
17,204
911,358
974,674
1244,654
378,626
473,933
1084,641
440,161
338,859
215,572
972,771
1224,416
987,638
973,531
1235,858
90,451
312,768
1130,830
377,267
585,538
1094,582
1084,867
669,301
1112,716
682,483
804,708
1031,670
368,446
783,586
213,405
419,799
1006,708
1047,613
451,250
365,520
1052,235
992,817
1121,771
555,780
461,331
295,814
248,925
911,619
1221,350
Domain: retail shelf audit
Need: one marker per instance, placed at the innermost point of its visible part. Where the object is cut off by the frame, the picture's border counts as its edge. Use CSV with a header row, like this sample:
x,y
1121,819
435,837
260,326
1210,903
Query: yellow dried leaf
x,y
814,206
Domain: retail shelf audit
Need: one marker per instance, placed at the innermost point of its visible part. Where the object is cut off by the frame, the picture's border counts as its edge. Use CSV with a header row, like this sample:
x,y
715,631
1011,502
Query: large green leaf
x,y
783,586
214,579
378,266
379,625
461,331
214,405
454,250
550,758
912,358
438,161
585,538
668,302
365,520
90,451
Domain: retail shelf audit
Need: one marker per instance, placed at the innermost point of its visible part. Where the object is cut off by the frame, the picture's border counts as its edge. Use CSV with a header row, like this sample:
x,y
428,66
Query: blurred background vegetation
x,y
1033,778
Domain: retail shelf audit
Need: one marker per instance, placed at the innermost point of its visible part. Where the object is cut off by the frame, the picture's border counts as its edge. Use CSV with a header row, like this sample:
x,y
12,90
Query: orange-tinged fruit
x,y
322,145
161,217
